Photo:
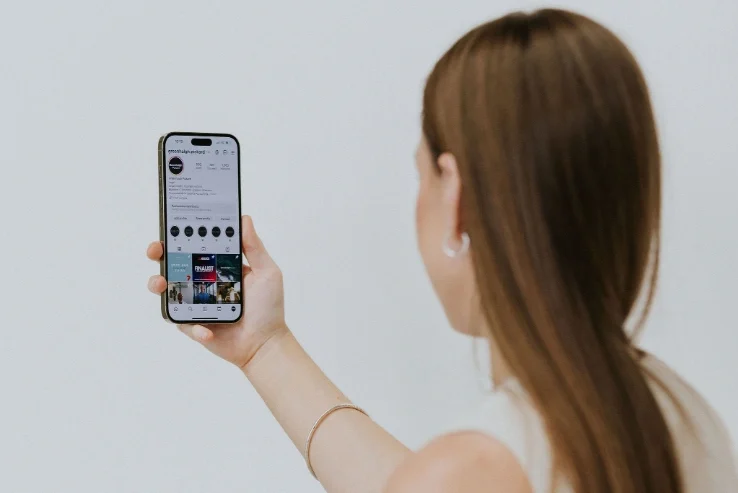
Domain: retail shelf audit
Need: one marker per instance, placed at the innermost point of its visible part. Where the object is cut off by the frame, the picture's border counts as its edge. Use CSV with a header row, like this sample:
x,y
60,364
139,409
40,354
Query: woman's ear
x,y
451,192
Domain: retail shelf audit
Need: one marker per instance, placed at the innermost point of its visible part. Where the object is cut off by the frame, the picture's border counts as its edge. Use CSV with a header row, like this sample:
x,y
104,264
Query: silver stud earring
x,y
450,252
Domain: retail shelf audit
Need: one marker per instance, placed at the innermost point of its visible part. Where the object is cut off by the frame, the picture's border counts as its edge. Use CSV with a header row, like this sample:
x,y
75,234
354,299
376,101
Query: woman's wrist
x,y
271,344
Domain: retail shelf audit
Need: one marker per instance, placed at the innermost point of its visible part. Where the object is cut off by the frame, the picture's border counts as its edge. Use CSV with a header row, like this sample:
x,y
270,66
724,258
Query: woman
x,y
538,220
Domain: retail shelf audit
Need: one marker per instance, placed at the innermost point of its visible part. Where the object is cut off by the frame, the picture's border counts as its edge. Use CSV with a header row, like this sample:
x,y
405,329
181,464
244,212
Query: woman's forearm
x,y
349,452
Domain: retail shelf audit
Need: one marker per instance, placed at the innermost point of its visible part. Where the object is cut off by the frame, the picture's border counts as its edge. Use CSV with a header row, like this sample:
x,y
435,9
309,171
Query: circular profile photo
x,y
176,165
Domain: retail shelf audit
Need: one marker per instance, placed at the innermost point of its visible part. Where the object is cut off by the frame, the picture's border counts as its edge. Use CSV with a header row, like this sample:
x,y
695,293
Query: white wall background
x,y
98,394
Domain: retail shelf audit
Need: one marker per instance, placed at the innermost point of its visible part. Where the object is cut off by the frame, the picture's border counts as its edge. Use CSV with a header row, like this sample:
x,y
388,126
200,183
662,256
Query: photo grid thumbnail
x,y
229,292
203,267
229,268
205,293
180,293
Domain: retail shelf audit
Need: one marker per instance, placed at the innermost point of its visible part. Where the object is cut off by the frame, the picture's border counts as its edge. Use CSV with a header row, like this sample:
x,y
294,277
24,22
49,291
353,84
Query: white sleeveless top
x,y
706,457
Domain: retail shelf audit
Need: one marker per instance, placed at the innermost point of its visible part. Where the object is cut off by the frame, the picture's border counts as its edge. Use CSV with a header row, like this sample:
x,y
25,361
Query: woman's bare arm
x,y
349,452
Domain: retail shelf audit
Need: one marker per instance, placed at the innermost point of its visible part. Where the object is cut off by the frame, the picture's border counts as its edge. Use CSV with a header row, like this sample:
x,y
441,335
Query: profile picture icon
x,y
176,165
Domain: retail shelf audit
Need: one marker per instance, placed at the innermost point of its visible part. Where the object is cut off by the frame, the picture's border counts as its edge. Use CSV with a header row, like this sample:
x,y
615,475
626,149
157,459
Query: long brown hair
x,y
549,118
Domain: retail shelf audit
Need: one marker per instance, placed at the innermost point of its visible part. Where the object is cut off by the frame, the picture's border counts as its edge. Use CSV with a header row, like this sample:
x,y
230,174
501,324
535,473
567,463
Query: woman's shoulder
x,y
508,416
699,434
460,461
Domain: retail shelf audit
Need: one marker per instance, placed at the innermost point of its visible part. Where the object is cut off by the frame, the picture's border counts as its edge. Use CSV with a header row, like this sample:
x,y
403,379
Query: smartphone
x,y
200,227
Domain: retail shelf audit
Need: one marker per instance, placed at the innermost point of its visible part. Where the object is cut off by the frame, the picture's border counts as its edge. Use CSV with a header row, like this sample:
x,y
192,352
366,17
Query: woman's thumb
x,y
253,248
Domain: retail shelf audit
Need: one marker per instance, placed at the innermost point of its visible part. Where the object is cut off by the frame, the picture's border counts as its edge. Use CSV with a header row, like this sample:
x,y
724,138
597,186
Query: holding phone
x,y
199,217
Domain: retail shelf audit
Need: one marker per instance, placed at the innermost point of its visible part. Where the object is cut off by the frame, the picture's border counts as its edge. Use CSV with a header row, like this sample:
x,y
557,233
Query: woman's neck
x,y
500,370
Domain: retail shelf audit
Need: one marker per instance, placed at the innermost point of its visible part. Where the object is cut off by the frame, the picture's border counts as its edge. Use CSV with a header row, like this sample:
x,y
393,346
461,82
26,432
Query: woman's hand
x,y
263,299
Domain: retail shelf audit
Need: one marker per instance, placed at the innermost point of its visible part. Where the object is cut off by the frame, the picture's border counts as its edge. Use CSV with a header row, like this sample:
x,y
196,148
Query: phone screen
x,y
201,227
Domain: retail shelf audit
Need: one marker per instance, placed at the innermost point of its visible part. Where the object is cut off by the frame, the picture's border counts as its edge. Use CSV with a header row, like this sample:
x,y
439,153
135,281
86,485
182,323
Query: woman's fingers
x,y
196,333
157,284
253,248
155,251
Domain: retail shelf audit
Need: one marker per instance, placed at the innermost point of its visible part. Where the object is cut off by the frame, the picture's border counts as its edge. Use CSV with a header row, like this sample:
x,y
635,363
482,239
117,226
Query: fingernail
x,y
151,284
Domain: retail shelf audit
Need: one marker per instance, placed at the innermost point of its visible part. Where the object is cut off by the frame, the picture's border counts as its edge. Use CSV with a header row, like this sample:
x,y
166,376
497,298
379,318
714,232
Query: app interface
x,y
203,228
